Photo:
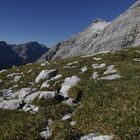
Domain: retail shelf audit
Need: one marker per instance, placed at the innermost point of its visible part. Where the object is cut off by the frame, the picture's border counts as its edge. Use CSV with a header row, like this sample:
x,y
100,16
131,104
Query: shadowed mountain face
x,y
8,57
11,55
122,32
30,52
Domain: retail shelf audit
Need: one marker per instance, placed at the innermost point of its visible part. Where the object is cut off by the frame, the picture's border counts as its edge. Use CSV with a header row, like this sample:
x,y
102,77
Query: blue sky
x,y
51,21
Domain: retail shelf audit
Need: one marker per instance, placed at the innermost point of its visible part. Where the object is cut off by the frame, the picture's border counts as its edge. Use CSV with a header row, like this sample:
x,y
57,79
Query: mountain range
x,y
20,54
94,95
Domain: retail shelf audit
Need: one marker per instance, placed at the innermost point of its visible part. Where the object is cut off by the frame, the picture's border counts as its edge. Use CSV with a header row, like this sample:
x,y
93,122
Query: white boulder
x,y
73,123
10,104
136,60
95,58
66,117
30,108
97,66
46,94
111,77
110,70
94,75
2,71
84,69
45,84
40,95
138,51
56,77
29,71
46,134
72,63
17,78
69,82
45,74
13,74
69,67
21,94
31,97
92,136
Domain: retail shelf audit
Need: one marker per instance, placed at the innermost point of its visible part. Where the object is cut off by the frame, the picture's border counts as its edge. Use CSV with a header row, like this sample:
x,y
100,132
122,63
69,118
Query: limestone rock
x,y
47,94
94,75
111,77
97,66
17,78
73,123
30,98
69,82
45,74
84,69
72,63
10,104
66,117
2,71
21,94
92,136
46,83
110,70
13,74
30,108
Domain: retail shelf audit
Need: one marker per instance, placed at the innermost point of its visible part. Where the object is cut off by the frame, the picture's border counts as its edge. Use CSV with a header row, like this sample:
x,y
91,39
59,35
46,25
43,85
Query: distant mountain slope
x,y
30,51
11,55
122,32
7,56
80,40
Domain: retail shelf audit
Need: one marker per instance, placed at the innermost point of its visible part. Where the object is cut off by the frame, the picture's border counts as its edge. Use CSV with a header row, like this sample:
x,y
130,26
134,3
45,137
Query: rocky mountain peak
x,y
97,25
122,32
98,20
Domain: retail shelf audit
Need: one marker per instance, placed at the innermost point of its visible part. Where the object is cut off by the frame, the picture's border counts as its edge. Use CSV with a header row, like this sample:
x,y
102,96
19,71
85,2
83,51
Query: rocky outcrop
x,y
122,32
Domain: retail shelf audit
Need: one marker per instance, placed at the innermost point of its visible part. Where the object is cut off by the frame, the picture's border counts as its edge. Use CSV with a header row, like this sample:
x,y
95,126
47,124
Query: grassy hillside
x,y
107,107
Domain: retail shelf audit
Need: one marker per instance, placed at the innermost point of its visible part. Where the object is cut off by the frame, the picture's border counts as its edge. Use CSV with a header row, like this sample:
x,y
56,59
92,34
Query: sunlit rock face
x,y
122,32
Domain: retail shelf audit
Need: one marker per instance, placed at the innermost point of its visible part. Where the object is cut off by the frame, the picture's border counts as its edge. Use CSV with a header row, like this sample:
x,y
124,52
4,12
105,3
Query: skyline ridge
x,y
37,21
